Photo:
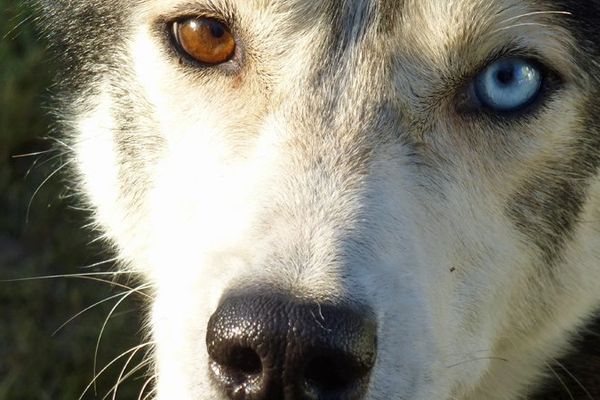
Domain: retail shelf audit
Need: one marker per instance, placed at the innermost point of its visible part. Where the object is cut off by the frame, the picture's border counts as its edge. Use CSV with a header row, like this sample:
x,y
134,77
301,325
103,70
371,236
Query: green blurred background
x,y
43,235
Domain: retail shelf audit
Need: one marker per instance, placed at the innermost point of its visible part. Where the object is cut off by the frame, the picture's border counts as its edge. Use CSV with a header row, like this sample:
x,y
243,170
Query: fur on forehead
x,y
455,31
458,37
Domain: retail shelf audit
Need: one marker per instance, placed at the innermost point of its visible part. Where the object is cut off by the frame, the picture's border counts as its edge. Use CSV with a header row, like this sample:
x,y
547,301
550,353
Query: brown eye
x,y
205,40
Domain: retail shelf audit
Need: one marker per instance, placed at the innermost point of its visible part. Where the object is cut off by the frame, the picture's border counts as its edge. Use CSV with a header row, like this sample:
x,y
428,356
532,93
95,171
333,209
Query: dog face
x,y
432,164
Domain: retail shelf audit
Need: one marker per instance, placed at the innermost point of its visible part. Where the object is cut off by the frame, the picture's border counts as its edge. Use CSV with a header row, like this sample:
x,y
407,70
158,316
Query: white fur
x,y
446,271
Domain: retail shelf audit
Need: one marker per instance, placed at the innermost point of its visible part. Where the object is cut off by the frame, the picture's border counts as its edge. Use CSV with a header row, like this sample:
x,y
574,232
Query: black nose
x,y
274,347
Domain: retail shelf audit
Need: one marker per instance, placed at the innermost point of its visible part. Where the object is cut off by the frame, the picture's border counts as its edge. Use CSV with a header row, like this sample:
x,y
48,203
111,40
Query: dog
x,y
346,199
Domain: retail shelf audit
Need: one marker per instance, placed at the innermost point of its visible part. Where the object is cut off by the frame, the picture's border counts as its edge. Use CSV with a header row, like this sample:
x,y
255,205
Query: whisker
x,y
71,207
61,142
123,377
89,308
577,381
17,26
84,275
562,382
477,359
31,168
37,164
537,24
111,260
121,300
96,240
116,284
97,375
146,384
535,13
37,153
150,393
35,193
461,354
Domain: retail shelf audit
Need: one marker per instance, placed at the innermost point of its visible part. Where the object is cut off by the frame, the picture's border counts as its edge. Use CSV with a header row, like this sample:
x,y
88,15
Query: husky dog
x,y
347,199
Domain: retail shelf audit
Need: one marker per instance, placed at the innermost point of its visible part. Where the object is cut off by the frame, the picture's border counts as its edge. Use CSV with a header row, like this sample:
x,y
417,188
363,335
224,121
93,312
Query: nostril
x,y
244,361
333,374
237,365
239,371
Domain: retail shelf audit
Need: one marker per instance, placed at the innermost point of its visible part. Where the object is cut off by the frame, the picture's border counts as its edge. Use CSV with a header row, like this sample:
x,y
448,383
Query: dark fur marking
x,y
349,21
389,14
84,36
548,207
87,37
583,366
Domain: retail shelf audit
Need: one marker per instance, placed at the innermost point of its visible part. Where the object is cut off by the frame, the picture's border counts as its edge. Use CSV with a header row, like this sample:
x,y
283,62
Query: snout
x,y
272,346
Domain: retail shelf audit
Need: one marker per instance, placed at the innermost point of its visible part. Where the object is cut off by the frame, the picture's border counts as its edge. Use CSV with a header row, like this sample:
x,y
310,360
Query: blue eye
x,y
509,85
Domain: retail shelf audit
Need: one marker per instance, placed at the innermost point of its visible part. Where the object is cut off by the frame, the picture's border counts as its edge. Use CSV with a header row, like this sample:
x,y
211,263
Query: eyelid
x,y
508,51
222,13
544,63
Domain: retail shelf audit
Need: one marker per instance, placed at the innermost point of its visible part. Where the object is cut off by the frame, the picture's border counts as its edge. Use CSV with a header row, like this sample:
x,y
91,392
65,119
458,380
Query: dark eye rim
x,y
166,27
468,105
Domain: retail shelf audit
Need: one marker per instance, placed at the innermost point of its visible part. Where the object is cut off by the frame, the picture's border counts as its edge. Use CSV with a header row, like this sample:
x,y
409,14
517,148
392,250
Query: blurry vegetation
x,y
42,235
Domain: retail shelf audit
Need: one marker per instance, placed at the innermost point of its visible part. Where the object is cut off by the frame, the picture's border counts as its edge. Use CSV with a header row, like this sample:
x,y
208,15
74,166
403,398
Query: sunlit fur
x,y
334,160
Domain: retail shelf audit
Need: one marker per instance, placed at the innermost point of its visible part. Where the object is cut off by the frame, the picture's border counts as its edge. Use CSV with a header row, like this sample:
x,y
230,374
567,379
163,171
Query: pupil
x,y
506,76
216,30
